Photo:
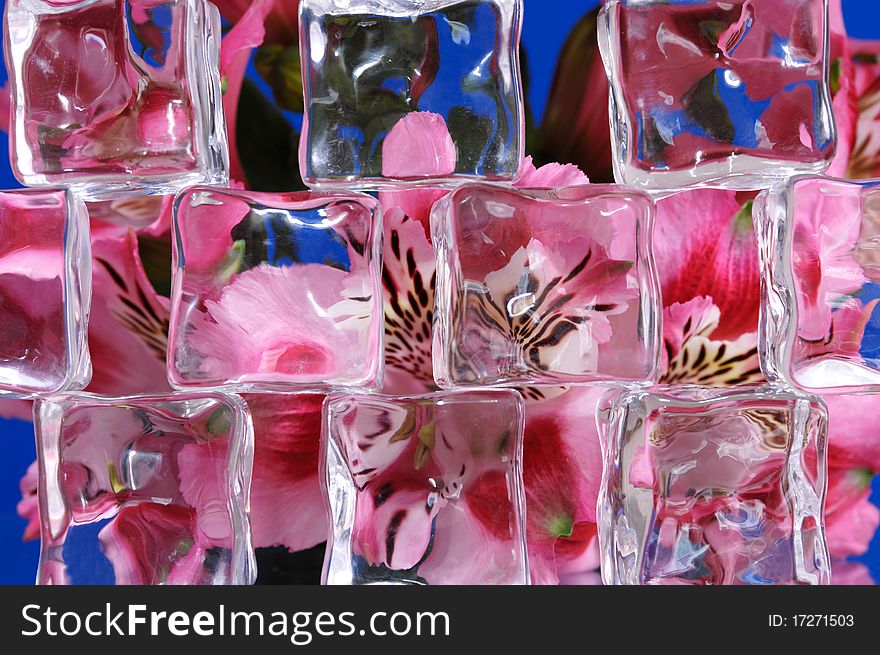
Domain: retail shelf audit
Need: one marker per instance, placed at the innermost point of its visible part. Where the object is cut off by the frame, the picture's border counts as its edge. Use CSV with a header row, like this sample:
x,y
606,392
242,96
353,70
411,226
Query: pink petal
x,y
850,518
852,428
5,107
549,175
20,409
128,324
28,507
847,573
235,51
287,506
264,324
419,145
562,464
142,538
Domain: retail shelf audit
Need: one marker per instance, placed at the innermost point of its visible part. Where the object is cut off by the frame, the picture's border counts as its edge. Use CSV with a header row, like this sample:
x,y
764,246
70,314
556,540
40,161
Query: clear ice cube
x,y
276,291
544,286
721,487
116,97
144,490
405,90
726,93
426,489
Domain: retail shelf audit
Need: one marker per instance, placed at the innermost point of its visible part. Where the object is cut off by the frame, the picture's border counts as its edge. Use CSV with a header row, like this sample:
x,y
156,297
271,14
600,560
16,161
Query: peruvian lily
x,y
562,462
594,288
257,326
705,246
864,159
408,276
844,99
128,325
846,573
28,507
246,34
692,356
152,544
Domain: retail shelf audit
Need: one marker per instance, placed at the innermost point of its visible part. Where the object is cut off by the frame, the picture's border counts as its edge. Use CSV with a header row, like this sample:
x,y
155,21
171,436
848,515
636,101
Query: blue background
x,y
547,24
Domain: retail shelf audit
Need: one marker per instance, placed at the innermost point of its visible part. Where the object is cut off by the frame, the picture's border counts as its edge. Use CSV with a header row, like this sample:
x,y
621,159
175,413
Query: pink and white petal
x,y
549,175
408,280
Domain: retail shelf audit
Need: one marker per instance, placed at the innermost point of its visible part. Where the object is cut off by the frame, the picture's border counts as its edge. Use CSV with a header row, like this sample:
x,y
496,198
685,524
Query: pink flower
x,y
246,34
408,280
151,544
128,326
853,460
844,97
286,323
28,507
20,409
864,143
705,246
692,356
581,283
435,493
575,125
549,175
846,573
285,496
419,145
562,470
287,507
282,19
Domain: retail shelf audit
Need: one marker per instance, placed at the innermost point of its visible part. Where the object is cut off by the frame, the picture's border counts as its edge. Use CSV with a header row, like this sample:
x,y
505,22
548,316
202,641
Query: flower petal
x,y
128,324
419,145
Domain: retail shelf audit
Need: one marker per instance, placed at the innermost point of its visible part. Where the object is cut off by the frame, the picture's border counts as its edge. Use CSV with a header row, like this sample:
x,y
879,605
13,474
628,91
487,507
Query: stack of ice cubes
x,y
535,288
